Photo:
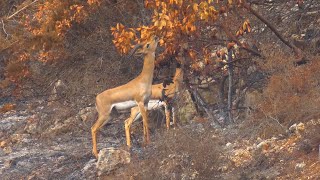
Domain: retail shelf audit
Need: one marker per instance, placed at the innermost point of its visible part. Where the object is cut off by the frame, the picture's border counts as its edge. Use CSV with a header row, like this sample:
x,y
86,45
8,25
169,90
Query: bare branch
x,y
201,102
4,29
235,39
9,46
23,8
296,50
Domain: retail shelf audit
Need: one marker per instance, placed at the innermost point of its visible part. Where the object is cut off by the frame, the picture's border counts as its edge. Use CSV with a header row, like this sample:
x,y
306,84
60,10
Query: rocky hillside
x,y
46,116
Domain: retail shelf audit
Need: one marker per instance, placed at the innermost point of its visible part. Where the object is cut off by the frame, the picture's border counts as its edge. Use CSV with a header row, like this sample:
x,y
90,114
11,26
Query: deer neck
x,y
148,66
178,77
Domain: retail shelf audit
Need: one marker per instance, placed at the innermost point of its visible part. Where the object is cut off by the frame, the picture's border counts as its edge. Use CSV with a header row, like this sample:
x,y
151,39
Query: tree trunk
x,y
221,105
230,87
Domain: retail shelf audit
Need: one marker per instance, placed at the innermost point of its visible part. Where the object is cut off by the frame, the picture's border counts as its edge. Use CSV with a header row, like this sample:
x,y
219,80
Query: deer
x,y
161,96
136,92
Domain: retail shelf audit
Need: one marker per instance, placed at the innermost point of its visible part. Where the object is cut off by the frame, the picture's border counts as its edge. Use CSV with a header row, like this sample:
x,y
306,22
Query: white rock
x,y
110,159
300,166
89,165
228,144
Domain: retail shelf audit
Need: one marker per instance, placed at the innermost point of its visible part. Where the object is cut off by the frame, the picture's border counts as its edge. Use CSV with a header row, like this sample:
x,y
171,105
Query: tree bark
x,y
222,105
230,87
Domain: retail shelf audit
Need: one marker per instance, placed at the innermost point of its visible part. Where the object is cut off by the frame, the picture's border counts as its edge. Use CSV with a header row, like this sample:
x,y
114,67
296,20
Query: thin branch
x,y
235,39
4,29
201,102
1,50
23,8
296,50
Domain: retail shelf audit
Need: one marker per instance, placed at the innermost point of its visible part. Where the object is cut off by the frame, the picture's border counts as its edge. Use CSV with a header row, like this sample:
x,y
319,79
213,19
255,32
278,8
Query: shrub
x,y
292,94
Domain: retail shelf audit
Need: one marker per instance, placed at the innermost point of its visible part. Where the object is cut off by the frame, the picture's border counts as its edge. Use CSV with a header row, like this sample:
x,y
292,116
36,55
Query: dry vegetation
x,y
276,101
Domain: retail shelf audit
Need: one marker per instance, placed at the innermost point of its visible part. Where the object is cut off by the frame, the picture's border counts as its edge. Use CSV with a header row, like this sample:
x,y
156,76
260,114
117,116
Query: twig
x,y
276,120
23,8
200,101
235,39
8,46
4,29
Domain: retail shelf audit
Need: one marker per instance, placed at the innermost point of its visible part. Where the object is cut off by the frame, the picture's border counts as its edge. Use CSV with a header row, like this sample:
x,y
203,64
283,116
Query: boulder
x,y
185,109
110,159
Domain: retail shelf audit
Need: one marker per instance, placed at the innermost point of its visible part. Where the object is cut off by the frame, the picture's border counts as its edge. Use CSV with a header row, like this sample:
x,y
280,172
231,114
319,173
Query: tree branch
x,y
235,39
23,8
296,50
4,29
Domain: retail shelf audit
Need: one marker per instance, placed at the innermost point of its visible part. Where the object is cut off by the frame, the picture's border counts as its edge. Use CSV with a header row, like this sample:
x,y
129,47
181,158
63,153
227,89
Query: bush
x,y
292,94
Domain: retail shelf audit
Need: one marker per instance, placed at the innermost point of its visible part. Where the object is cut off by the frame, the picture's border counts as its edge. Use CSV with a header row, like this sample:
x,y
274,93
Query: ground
x,y
60,148
46,134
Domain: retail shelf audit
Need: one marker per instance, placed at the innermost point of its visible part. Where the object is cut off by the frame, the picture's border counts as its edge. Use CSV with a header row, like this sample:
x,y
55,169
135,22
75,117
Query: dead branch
x,y
296,50
235,39
200,102
4,29
23,8
1,50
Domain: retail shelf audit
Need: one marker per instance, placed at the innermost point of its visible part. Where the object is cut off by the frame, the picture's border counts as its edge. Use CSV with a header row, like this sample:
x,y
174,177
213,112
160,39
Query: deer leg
x,y
167,112
135,114
145,122
102,119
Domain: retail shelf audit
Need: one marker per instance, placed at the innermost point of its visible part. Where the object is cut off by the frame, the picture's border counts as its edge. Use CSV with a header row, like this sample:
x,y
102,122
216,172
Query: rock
x,y
89,166
223,169
200,128
300,166
58,92
297,128
31,129
228,144
241,157
264,145
110,159
300,127
11,123
187,109
292,128
60,127
87,113
7,149
3,144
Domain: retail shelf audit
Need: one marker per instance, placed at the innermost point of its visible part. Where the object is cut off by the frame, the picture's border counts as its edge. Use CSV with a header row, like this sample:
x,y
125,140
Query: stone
x,y
87,113
300,166
110,159
297,128
3,144
223,169
184,108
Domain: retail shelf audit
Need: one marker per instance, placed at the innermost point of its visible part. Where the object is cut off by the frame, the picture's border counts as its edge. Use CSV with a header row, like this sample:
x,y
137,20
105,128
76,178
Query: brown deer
x,y
137,92
160,96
